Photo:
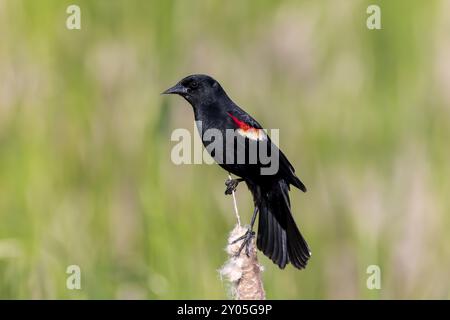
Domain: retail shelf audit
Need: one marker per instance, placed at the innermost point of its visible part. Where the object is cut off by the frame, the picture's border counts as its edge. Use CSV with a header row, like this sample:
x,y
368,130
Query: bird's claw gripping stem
x,y
247,237
231,185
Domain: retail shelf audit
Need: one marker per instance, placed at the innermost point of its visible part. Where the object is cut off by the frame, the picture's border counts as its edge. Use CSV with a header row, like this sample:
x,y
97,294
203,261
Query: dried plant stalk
x,y
243,272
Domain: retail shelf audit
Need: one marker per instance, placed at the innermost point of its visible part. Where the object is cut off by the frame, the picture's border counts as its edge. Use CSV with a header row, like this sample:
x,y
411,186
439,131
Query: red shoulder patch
x,y
246,130
241,124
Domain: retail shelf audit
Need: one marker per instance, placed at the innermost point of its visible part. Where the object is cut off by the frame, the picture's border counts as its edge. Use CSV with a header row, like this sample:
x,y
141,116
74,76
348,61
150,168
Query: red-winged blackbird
x,y
278,236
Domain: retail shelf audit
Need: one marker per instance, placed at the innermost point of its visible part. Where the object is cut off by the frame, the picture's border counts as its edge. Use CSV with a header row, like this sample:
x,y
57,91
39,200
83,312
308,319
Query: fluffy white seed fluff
x,y
243,273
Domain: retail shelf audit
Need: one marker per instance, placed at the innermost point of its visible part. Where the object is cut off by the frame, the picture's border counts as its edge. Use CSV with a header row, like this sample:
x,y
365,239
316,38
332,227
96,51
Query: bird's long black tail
x,y
278,236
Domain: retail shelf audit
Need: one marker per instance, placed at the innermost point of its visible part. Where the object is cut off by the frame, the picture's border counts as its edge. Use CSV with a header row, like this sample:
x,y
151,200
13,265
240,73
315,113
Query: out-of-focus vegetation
x,y
85,170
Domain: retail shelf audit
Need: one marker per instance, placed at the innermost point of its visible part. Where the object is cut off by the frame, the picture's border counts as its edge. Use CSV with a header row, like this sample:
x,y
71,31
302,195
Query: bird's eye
x,y
194,84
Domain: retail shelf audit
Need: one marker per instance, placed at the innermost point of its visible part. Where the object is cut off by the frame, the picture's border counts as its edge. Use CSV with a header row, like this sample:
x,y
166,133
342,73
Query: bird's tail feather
x,y
278,236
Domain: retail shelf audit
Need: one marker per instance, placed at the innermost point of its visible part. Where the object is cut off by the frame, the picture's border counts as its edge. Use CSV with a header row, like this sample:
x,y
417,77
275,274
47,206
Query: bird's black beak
x,y
176,89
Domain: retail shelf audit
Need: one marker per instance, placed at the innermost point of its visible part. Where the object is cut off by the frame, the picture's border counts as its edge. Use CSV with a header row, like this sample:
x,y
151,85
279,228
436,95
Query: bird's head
x,y
198,90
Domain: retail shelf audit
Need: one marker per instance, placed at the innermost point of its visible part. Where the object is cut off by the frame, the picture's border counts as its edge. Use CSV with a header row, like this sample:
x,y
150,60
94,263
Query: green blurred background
x,y
85,170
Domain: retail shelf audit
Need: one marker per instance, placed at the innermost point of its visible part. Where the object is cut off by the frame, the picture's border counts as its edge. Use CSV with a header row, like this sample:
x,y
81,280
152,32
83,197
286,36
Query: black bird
x,y
278,236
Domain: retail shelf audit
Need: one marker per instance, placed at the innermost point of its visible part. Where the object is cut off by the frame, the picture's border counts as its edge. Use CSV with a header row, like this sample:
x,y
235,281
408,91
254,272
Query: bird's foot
x,y
247,237
231,185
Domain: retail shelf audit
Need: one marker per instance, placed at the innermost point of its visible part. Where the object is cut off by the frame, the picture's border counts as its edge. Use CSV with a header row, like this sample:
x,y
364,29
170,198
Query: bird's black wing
x,y
286,170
